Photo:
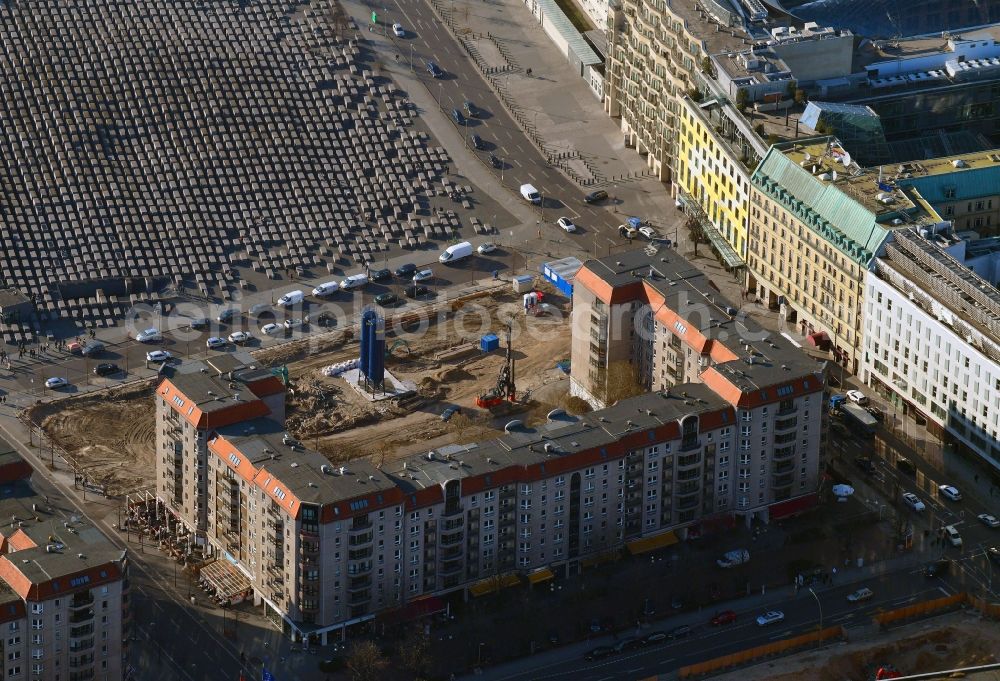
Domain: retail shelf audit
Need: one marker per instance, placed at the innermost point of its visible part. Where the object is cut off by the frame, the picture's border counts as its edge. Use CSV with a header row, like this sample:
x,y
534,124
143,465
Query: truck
x,y
858,417
531,194
456,252
733,558
290,298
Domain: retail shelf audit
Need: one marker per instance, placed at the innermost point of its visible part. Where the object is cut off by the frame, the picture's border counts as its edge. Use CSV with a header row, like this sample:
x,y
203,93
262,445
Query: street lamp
x,y
818,605
440,90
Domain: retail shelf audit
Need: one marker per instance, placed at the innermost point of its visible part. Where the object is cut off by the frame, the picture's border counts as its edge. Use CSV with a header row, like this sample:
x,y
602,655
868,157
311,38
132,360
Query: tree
x,y
772,139
621,381
414,653
800,96
759,129
366,662
695,231
706,67
741,99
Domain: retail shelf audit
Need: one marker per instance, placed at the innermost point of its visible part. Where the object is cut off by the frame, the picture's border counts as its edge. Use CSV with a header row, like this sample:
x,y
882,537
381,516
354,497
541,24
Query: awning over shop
x,y
784,509
491,584
647,544
421,607
606,557
729,257
818,340
538,576
229,583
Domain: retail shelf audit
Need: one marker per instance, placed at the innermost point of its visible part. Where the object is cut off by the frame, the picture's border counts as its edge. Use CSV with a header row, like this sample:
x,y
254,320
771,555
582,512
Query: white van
x,y
354,281
456,252
327,288
529,193
290,298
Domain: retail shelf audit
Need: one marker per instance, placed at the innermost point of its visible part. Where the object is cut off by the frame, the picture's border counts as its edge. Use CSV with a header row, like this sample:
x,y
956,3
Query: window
x,y
36,624
36,608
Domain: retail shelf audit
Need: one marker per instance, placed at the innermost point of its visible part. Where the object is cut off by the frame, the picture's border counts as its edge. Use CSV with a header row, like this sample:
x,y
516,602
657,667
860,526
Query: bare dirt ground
x,y
109,436
949,642
447,368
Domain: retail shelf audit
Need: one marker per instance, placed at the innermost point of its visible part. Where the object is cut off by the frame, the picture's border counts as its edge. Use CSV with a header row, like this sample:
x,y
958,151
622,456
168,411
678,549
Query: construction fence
x,y
743,657
920,609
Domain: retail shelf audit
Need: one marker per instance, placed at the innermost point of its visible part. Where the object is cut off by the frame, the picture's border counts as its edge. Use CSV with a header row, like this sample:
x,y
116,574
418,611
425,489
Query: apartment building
x,y
655,49
932,336
817,221
64,589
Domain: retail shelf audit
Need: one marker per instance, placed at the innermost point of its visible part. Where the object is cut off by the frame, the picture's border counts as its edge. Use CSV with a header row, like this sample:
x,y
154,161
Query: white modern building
x,y
932,336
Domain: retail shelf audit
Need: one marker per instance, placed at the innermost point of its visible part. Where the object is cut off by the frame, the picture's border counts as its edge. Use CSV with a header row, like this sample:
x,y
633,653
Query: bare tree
x,y
366,662
414,653
621,381
696,231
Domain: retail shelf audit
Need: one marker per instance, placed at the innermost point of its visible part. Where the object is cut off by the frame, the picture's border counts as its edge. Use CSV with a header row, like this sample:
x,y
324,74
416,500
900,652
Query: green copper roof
x,y
965,184
832,214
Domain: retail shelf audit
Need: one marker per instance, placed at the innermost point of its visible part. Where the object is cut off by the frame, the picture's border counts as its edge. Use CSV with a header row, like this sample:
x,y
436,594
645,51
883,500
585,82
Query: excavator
x,y
504,390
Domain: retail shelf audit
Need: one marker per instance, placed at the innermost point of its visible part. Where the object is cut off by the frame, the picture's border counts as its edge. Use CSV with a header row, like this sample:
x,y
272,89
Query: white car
x,y
770,617
950,492
270,329
397,30
423,275
953,536
566,224
857,397
327,288
157,356
649,232
239,337
988,520
913,501
291,323
56,382
215,342
149,336
862,594
486,248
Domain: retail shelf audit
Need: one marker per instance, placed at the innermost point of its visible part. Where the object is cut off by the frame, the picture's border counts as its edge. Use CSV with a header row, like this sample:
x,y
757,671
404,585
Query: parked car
x,y
386,299
913,501
495,161
486,248
470,110
397,30
595,196
598,653
938,568
866,464
239,337
158,356
626,644
862,594
149,336
380,275
423,275
271,329
770,617
292,322
477,142
227,314
406,270
724,617
566,224
198,323
457,116
434,70
950,492
654,637
214,343
649,232
857,397
682,631
106,369
449,412
993,553
56,382
906,466
415,291
988,520
952,535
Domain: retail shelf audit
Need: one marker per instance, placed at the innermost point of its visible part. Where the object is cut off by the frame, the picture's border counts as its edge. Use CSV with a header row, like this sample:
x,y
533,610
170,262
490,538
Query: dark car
x,y
379,275
470,110
938,568
866,464
655,637
227,314
434,70
993,553
626,644
681,631
477,142
106,369
326,319
415,291
724,617
876,413
449,412
599,653
906,466
457,116
199,323
495,162
406,270
385,299
595,196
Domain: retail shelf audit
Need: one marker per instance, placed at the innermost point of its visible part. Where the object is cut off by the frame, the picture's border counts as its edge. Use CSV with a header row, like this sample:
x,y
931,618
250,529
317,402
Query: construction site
x,y
436,350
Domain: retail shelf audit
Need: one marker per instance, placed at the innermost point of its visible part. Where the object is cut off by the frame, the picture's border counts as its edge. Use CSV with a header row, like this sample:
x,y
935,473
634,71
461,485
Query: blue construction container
x,y
561,273
489,342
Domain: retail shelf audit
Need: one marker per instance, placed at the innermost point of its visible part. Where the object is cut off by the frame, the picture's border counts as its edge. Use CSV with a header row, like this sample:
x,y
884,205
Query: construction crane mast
x,y
504,390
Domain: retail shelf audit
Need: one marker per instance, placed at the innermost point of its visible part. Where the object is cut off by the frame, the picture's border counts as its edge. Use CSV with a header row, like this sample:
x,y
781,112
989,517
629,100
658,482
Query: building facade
x,y
932,339
64,590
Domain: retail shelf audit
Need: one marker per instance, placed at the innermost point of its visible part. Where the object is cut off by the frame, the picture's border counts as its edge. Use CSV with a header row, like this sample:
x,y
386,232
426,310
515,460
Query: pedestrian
x,y
977,478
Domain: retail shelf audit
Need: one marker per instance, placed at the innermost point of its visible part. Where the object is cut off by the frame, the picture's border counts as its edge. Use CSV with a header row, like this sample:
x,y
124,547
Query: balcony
x,y
85,644
359,597
783,453
361,539
81,631
452,538
359,583
81,600
451,567
360,525
78,616
309,532
688,461
785,424
453,523
782,480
